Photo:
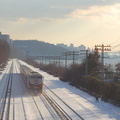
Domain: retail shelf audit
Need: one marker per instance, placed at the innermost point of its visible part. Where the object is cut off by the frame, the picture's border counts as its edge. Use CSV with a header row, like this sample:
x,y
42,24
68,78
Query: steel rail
x,y
59,111
3,99
37,108
22,98
64,103
7,94
53,114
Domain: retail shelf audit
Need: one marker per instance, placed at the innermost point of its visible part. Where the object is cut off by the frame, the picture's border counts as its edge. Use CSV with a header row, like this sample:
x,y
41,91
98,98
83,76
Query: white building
x,y
6,37
62,45
82,47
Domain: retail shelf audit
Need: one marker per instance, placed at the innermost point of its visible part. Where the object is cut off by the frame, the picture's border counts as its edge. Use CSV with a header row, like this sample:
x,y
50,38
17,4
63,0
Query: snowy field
x,y
83,104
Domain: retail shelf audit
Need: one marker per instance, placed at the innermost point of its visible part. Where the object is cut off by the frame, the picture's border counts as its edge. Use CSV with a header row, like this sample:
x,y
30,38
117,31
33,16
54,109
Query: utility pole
x,y
49,57
86,66
59,60
65,54
54,57
45,60
73,53
38,59
27,55
102,48
42,59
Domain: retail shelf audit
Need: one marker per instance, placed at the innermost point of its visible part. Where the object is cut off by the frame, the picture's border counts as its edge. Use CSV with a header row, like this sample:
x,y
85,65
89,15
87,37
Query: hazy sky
x,y
87,22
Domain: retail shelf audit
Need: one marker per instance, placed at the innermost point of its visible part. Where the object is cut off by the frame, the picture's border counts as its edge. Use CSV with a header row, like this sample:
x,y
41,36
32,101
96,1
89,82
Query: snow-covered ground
x,y
81,102
84,104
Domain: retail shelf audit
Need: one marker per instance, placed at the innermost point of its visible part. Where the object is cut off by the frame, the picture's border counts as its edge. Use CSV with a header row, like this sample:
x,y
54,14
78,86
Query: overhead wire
x,y
114,48
113,58
115,45
114,41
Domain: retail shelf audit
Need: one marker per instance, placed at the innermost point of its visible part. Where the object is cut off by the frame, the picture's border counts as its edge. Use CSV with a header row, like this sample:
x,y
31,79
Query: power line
x,y
114,42
113,58
102,48
113,52
115,46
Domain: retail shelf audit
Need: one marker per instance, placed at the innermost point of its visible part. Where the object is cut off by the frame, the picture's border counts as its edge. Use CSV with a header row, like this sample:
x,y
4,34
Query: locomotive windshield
x,y
33,76
39,76
36,76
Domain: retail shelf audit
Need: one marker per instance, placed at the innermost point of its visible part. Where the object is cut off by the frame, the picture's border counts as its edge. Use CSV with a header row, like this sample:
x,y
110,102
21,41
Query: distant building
x,y
82,47
71,47
6,37
62,45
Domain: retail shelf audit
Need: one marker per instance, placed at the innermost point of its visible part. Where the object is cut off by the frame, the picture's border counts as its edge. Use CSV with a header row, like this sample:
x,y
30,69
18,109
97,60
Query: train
x,y
32,79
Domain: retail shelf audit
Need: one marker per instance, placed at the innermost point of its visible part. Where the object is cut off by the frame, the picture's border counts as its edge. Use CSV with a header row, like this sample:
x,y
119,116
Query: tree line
x,y
92,82
4,51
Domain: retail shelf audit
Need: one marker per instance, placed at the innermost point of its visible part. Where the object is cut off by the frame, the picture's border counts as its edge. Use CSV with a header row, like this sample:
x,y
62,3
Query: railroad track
x,y
34,101
42,99
54,108
22,101
5,103
38,108
8,101
57,98
58,109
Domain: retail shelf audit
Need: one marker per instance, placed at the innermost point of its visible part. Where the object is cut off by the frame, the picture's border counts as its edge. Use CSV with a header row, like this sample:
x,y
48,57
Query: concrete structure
x,y
6,37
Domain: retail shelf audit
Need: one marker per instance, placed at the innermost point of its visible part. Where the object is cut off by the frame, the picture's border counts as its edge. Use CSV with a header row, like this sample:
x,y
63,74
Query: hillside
x,y
38,48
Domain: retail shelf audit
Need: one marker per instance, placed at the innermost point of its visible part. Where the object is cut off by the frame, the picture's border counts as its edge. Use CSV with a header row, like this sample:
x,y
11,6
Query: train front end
x,y
36,82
